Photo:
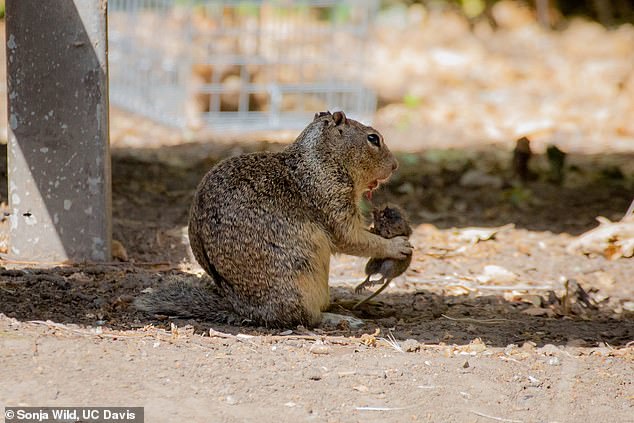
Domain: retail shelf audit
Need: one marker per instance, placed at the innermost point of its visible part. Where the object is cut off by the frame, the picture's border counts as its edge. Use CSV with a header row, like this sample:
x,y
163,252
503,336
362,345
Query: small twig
x,y
217,334
7,290
384,408
500,419
630,210
483,321
392,342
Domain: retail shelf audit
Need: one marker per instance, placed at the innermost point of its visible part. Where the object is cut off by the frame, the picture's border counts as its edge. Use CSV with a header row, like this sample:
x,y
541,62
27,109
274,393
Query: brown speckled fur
x,y
264,225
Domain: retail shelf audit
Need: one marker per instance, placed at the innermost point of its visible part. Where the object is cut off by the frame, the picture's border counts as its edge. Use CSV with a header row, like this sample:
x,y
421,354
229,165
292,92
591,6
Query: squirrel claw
x,y
366,284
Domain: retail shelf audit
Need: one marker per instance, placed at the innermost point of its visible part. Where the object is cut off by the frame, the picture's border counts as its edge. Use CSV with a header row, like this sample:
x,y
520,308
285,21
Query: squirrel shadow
x,y
102,295
433,318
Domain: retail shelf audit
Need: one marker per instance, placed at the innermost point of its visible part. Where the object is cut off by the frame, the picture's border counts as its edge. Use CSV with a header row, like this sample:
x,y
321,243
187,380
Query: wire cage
x,y
239,65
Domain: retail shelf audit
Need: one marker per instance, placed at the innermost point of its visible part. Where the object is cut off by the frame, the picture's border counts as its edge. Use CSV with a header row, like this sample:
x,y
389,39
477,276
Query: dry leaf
x,y
370,340
457,290
496,274
473,235
611,239
538,311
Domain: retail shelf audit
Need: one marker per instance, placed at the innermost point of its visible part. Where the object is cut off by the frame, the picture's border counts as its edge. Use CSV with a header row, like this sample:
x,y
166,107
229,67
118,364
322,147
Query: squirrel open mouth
x,y
372,186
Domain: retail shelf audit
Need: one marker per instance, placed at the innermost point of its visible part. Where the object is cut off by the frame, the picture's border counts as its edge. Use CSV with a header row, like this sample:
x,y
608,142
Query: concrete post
x,y
58,150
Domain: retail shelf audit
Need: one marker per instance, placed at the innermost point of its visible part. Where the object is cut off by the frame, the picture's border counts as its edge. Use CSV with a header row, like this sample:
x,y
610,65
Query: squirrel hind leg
x,y
286,303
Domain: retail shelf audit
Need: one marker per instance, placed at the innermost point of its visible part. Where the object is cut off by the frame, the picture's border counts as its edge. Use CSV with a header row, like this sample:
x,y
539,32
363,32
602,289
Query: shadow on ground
x,y
102,295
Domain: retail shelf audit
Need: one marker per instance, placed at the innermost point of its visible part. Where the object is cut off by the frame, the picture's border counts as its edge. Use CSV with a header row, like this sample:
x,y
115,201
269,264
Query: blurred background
x,y
464,72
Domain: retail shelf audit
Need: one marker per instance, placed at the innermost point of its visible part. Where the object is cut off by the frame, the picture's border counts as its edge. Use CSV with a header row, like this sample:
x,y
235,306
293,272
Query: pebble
x,y
534,381
312,374
320,349
628,306
554,361
410,345
536,311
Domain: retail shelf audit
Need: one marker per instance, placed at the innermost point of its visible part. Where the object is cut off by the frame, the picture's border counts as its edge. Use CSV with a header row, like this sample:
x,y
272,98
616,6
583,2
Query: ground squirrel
x,y
264,225
389,222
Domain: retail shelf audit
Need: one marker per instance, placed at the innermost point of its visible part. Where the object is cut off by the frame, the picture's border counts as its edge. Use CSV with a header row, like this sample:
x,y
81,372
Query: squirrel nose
x,y
394,165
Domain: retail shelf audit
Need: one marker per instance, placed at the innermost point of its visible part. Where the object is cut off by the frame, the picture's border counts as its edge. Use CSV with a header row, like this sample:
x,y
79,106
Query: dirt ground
x,y
502,323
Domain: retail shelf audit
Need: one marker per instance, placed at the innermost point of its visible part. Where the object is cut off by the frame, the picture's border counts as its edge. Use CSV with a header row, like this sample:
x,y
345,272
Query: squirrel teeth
x,y
371,187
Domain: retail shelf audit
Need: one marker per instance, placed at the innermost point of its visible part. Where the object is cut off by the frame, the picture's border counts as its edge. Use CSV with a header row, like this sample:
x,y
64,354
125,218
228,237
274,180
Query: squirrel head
x,y
358,148
390,221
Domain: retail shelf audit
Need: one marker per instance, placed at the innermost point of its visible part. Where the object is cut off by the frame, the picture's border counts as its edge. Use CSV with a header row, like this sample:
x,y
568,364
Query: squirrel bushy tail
x,y
183,299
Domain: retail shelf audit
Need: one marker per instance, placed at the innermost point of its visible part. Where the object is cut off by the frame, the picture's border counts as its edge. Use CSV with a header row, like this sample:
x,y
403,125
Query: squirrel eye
x,y
374,140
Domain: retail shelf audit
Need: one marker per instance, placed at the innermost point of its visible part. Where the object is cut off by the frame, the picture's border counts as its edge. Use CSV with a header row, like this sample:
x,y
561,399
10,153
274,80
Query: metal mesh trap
x,y
239,65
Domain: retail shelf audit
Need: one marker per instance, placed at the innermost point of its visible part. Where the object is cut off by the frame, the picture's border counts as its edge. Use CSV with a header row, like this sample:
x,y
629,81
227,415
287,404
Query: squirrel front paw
x,y
400,248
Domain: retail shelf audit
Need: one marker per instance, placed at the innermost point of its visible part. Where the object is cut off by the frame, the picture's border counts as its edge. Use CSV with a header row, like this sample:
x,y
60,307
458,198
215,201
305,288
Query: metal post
x,y
58,151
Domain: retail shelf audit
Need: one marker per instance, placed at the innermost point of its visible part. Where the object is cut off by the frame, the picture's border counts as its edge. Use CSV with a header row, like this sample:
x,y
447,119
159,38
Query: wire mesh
x,y
240,65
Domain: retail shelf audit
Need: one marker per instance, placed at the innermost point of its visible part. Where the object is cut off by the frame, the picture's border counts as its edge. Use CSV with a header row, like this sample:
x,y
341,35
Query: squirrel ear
x,y
320,114
339,117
